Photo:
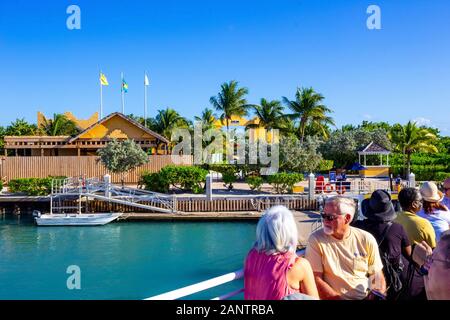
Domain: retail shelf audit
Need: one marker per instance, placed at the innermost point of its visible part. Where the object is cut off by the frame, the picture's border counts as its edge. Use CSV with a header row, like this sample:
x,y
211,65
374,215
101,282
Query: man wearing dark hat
x,y
391,237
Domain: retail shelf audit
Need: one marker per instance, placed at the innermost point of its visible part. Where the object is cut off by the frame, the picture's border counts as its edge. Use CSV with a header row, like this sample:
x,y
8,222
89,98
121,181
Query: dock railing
x,y
208,284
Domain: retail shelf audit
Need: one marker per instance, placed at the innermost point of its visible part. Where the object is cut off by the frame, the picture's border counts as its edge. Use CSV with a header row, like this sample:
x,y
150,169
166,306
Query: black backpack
x,y
392,269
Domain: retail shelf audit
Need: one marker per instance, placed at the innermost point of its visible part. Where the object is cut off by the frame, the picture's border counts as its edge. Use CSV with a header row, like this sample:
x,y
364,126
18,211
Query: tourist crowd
x,y
387,255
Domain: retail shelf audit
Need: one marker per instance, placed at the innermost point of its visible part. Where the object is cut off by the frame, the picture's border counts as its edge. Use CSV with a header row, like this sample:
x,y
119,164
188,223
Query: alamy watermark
x,y
73,21
74,280
254,147
374,20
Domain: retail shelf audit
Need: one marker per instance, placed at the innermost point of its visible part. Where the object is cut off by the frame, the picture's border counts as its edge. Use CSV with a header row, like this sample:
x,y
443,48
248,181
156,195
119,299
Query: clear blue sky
x,y
396,74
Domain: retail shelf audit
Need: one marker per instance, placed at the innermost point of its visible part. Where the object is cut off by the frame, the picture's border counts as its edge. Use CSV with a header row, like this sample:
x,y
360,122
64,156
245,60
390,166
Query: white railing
x,y
94,187
208,284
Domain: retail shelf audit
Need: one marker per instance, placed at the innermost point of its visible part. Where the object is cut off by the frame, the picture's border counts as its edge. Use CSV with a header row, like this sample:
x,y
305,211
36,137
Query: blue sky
x,y
396,74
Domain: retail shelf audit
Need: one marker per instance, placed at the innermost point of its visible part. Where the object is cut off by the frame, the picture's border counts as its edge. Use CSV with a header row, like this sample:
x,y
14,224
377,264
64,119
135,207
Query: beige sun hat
x,y
430,192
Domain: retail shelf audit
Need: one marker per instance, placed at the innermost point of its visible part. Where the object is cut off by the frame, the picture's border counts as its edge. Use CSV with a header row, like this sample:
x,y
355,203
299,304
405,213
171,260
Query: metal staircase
x,y
85,189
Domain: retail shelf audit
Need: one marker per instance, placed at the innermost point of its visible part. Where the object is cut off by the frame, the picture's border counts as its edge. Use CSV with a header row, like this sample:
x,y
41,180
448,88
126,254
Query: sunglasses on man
x,y
328,217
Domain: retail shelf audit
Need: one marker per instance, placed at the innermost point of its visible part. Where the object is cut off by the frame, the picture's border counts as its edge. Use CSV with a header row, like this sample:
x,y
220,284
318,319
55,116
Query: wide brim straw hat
x,y
430,192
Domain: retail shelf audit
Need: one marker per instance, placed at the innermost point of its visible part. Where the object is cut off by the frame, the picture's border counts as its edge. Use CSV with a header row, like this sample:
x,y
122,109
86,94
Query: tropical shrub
x,y
254,182
425,166
284,182
32,186
229,172
228,179
181,177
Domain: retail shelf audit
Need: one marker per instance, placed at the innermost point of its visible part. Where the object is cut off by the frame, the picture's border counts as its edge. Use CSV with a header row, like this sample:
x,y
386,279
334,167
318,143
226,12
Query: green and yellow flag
x,y
124,86
103,80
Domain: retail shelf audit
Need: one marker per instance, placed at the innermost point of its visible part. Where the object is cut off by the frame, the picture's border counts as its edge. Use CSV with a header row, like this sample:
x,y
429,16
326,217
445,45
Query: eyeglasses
x,y
328,217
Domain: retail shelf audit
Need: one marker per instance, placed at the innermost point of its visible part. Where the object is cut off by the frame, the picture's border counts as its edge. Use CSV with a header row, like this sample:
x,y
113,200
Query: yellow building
x,y
257,132
94,135
381,170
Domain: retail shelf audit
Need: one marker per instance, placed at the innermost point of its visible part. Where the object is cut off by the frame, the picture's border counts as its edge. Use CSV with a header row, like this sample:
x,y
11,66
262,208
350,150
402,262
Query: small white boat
x,y
75,219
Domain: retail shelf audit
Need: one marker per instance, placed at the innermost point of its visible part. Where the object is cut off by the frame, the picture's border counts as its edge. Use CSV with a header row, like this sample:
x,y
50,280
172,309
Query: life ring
x,y
328,188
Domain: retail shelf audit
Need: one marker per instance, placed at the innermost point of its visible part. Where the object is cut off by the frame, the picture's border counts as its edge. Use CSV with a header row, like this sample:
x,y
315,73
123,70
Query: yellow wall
x,y
258,133
83,124
116,127
235,121
376,171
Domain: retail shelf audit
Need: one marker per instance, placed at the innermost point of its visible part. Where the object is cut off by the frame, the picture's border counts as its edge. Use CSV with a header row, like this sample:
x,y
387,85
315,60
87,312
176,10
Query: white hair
x,y
346,205
276,231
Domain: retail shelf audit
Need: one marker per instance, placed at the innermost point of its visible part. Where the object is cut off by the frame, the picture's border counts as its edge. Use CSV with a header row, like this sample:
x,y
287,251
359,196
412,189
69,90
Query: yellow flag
x,y
103,80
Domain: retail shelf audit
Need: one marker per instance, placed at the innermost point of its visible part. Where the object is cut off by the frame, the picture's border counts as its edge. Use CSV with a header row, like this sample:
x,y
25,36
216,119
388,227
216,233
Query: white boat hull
x,y
73,219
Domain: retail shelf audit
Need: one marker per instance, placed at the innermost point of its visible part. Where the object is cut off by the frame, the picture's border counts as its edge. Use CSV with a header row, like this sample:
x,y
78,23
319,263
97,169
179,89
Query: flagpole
x,y
101,95
145,100
123,101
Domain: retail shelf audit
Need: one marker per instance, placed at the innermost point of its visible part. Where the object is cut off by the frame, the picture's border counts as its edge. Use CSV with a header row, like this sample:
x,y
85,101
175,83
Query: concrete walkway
x,y
307,221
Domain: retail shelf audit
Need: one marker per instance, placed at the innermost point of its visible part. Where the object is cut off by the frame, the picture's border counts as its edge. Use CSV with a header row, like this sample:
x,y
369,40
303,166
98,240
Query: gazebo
x,y
381,170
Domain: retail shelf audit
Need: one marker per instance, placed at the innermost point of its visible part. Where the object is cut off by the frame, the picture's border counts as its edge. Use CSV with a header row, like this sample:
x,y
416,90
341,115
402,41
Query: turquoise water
x,y
122,260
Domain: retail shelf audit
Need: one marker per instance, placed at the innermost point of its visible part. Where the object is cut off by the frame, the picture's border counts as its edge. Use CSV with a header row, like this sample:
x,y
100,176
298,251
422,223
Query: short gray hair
x,y
346,205
276,231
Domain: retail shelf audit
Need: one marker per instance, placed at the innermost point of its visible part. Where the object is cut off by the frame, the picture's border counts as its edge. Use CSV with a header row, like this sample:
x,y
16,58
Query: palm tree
x,y
166,121
269,114
308,109
60,125
207,118
230,101
318,129
410,138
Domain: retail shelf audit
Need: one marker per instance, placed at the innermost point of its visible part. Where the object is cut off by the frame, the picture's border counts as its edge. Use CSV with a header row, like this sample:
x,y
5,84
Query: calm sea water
x,y
122,260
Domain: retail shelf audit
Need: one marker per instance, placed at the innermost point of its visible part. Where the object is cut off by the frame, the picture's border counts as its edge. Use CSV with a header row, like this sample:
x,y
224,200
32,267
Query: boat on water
x,y
75,219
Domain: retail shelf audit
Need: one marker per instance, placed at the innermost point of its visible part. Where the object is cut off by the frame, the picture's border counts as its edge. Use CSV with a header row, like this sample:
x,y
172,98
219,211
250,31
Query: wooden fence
x,y
72,166
202,205
301,203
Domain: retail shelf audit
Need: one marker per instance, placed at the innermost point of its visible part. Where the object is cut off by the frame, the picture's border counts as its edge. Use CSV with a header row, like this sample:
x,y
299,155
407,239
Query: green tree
x,y
2,140
308,108
368,125
21,128
60,125
207,119
122,156
342,146
409,139
138,119
269,114
297,156
319,130
166,121
230,102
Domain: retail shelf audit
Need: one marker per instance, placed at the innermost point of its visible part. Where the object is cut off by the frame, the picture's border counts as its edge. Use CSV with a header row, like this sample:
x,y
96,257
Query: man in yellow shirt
x,y
345,260
417,228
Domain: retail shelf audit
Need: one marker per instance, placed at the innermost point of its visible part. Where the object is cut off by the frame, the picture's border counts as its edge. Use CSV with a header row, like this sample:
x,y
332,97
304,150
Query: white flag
x,y
146,82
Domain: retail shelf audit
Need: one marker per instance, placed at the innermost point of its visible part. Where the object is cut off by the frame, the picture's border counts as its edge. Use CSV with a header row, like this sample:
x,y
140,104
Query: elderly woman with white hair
x,y
272,269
